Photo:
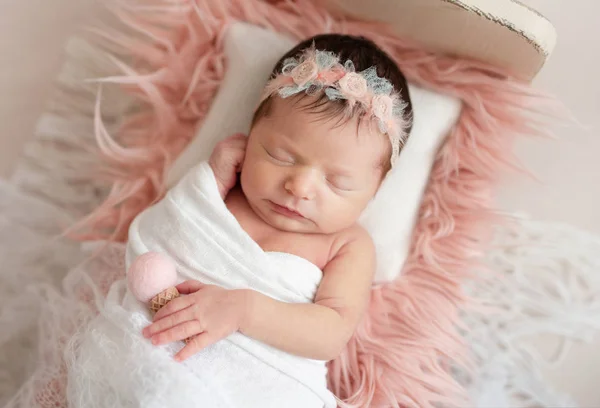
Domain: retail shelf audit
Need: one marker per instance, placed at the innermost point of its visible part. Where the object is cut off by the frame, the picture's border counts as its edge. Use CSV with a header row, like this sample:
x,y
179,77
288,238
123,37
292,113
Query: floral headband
x,y
316,70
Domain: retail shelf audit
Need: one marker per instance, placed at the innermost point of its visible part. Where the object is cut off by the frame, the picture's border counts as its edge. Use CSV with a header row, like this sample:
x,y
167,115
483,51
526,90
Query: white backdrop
x,y
568,169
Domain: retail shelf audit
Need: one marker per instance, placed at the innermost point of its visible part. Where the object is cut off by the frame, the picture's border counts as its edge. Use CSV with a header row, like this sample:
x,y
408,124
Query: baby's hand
x,y
226,161
205,315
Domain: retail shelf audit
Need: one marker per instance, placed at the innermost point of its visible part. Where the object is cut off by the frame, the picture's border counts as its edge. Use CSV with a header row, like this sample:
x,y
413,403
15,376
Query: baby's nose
x,y
302,184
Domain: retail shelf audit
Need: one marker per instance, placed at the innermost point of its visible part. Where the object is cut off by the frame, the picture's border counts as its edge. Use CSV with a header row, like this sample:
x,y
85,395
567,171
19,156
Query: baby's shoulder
x,y
354,239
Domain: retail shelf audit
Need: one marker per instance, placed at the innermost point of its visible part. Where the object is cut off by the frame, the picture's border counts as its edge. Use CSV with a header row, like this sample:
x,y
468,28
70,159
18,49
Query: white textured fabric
x,y
251,53
40,280
114,365
545,286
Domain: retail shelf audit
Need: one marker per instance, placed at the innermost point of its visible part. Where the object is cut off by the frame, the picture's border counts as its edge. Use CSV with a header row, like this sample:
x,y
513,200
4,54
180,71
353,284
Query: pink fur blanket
x,y
402,352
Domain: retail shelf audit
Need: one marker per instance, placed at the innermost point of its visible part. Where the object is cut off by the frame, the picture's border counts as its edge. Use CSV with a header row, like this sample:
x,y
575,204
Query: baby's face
x,y
304,174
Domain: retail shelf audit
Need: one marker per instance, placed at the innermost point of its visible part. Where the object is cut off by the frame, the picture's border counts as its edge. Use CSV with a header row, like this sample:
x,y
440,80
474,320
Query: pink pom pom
x,y
150,274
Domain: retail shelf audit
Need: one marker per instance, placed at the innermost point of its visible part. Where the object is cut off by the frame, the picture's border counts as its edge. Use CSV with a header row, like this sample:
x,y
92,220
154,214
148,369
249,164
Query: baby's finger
x,y
238,136
240,165
196,344
173,306
189,286
168,322
180,332
238,144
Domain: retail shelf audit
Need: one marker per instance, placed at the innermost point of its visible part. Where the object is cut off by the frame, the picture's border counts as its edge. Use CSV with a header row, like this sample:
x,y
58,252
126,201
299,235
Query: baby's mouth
x,y
286,211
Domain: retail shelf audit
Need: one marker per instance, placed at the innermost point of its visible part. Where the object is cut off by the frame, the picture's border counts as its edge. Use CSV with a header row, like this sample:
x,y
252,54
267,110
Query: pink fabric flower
x,y
304,72
332,76
382,106
353,85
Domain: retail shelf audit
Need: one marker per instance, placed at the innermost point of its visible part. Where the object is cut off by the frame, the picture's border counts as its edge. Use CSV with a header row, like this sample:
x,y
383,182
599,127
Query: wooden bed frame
x,y
505,33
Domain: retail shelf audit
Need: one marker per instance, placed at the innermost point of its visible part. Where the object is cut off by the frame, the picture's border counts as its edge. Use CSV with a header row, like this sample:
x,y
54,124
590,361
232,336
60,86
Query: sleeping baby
x,y
275,271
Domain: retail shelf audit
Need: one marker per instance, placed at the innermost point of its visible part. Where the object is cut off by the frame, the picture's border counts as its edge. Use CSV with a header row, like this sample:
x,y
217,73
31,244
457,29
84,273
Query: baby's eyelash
x,y
336,186
277,158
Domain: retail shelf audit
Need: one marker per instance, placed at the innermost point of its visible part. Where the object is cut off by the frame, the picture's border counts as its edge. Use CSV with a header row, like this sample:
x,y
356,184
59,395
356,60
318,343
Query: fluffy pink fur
x,y
402,351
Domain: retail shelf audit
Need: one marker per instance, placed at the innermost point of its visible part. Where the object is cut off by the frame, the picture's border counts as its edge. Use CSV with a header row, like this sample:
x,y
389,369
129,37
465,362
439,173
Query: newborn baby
x,y
331,123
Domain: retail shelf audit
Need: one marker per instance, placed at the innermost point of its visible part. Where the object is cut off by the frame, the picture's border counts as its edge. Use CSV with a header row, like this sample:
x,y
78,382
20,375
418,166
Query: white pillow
x,y
251,53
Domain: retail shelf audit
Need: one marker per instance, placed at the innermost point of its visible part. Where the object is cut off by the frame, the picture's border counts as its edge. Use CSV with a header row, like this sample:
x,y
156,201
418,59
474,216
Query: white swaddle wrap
x,y
115,366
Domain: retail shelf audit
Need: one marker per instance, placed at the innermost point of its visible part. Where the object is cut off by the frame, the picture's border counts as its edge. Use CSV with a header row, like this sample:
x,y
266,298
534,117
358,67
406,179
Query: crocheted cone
x,y
164,297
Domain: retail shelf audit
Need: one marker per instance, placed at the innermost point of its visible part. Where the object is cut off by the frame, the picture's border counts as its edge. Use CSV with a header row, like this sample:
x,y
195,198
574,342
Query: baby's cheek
x,y
264,172
338,213
247,178
257,175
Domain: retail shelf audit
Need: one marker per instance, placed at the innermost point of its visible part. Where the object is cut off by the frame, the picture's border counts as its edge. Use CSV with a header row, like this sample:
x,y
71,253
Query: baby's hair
x,y
364,54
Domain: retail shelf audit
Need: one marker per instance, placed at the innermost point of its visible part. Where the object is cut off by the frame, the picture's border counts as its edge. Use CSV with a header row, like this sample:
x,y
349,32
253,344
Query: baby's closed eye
x,y
279,155
341,183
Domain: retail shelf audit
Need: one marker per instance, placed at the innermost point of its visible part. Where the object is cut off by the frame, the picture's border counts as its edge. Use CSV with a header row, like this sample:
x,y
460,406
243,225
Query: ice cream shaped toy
x,y
151,278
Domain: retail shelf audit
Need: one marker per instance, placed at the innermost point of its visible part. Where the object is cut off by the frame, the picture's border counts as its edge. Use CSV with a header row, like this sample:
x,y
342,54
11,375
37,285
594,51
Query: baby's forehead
x,y
340,141
318,110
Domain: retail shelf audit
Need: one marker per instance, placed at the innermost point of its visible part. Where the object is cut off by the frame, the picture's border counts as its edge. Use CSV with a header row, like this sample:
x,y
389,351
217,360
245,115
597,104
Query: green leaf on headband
x,y
288,91
325,59
333,94
379,86
349,66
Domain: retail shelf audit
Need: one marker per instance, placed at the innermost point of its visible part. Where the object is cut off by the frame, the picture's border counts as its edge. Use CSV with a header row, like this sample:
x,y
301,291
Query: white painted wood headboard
x,y
505,33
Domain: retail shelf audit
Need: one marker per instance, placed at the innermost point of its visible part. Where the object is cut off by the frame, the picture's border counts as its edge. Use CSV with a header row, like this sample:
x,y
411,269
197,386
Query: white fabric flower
x,y
382,106
353,85
304,73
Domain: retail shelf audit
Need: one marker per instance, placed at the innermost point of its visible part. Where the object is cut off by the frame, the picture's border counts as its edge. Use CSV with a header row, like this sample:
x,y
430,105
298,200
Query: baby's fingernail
x,y
154,340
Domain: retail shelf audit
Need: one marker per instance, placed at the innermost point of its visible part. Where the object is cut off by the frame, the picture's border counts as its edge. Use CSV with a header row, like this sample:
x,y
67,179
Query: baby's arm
x,y
320,330
317,330
226,161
